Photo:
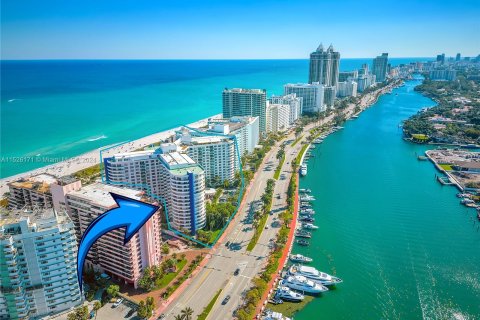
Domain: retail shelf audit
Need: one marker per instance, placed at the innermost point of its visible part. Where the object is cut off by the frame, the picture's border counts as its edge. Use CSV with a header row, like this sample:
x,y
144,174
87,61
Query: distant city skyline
x,y
236,29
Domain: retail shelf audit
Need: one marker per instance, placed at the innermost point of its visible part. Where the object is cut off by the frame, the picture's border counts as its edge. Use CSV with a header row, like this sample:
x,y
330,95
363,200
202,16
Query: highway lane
x,y
239,285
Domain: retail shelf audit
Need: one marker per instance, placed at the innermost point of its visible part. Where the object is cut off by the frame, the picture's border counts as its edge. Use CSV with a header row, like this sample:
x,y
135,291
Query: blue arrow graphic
x,y
131,214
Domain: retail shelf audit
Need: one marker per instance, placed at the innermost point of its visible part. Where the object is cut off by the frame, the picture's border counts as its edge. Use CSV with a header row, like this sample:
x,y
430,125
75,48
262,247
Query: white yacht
x,y
303,170
272,315
307,197
286,294
314,274
300,258
309,226
303,284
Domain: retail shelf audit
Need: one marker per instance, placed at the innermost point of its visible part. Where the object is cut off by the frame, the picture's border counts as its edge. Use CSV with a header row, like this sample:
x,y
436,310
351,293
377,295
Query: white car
x,y
118,302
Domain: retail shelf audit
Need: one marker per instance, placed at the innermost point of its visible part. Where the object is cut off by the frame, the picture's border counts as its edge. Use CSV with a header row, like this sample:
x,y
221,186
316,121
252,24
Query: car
x,y
118,302
92,314
227,244
266,227
161,317
278,196
130,313
237,271
225,301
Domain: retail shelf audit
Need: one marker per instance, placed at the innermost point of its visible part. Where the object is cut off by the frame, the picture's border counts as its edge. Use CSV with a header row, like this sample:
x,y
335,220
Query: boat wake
x,y
98,138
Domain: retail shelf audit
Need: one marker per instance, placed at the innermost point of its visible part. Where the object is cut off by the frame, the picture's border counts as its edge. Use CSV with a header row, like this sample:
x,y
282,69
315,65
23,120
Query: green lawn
x,y
166,279
288,309
296,141
258,232
279,168
300,154
208,308
446,167
419,136
214,235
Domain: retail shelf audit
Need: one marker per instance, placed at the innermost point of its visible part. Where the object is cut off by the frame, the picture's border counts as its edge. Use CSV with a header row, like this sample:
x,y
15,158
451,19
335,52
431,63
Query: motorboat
x,y
307,197
303,170
307,219
305,190
307,213
314,274
303,234
272,315
304,243
286,294
300,258
309,226
303,284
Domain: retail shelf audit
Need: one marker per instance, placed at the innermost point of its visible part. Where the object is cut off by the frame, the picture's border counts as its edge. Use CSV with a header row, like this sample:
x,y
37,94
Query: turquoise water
x,y
404,246
58,109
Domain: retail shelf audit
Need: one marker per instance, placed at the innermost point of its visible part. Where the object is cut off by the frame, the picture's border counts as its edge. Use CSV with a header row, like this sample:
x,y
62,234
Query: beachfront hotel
x,y
312,95
216,154
246,102
38,275
293,101
324,66
108,254
379,67
166,173
278,116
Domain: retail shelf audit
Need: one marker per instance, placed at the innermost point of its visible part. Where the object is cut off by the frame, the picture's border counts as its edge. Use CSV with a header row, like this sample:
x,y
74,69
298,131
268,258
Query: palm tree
x,y
187,313
178,317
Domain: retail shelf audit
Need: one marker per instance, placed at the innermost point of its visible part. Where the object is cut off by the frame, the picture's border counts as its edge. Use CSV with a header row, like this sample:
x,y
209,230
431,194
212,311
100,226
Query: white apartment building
x,y
109,255
293,101
162,174
245,129
347,89
278,116
216,154
183,187
38,275
311,94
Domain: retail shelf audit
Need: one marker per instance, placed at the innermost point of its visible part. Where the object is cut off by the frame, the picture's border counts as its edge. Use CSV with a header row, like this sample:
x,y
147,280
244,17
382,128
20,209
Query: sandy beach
x,y
91,158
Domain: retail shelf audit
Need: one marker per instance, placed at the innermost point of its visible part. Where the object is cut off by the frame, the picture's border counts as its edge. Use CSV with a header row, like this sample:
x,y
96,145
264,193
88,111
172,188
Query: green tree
x,y
165,248
298,131
80,313
142,311
113,290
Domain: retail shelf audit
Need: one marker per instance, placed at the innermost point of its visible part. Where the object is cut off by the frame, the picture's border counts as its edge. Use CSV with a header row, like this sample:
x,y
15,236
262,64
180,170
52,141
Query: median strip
x,y
209,307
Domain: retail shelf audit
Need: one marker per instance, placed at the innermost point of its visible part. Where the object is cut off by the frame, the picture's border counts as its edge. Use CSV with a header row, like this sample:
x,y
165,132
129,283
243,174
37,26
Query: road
x,y
219,271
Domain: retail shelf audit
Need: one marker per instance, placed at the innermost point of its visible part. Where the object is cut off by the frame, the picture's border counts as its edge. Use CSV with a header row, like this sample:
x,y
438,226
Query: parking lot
x,y
126,310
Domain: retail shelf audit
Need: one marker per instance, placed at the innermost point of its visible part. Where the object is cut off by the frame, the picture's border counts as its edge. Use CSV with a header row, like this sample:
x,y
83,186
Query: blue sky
x,y
229,29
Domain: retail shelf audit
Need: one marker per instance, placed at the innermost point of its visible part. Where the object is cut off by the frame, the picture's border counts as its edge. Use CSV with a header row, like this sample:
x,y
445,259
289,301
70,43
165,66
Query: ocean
x,y
53,110
402,243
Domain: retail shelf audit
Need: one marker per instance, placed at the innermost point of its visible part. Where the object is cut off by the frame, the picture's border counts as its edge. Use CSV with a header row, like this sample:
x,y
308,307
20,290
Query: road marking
x,y
207,273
